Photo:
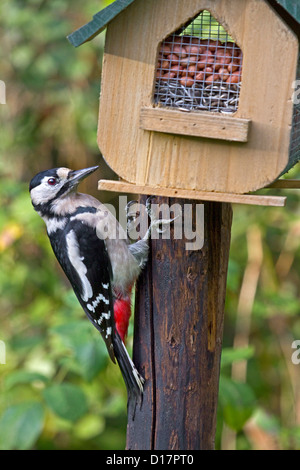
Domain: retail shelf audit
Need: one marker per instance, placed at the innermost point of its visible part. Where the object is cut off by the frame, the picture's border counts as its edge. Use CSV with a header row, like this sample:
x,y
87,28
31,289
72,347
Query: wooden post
x,y
178,337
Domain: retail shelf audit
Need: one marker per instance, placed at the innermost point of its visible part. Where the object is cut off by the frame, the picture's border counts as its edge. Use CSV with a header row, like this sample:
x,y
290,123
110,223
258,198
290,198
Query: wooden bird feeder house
x,y
200,101
196,95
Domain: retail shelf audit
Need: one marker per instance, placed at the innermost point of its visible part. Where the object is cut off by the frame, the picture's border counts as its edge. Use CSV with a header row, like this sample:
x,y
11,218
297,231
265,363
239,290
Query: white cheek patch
x,y
78,265
44,192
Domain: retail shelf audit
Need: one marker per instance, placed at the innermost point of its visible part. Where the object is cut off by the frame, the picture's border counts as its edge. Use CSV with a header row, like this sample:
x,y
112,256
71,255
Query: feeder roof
x,y
103,17
99,22
292,7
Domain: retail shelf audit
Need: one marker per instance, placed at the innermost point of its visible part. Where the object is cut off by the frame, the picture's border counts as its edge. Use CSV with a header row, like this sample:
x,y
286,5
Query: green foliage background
x,y
58,389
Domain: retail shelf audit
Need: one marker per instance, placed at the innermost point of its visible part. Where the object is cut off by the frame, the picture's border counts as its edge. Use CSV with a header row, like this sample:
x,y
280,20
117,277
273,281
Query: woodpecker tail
x,y
133,380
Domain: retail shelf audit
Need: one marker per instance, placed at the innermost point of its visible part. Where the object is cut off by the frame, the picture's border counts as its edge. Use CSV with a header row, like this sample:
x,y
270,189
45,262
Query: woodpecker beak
x,y
75,176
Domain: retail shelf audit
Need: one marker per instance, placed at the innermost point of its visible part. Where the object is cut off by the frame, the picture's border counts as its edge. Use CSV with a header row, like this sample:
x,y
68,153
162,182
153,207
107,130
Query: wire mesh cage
x,y
199,68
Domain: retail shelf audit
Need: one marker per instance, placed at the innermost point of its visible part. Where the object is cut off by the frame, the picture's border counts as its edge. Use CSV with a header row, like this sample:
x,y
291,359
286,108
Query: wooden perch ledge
x,y
253,199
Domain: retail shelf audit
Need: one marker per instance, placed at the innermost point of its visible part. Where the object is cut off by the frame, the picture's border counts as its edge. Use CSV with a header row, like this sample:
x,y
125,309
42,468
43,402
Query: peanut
x,y
192,69
168,76
193,49
213,45
233,79
177,69
187,81
164,64
212,78
200,77
232,67
223,73
173,59
179,50
165,49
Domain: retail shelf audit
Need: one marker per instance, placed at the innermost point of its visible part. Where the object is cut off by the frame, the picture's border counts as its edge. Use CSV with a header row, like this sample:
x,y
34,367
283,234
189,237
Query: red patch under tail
x,y
122,312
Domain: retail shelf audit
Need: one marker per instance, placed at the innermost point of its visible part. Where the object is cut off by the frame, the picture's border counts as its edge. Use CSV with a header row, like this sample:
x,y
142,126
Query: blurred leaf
x,y
290,438
89,350
10,233
283,303
266,421
26,341
237,401
23,377
91,357
210,26
73,330
89,426
230,355
20,426
66,400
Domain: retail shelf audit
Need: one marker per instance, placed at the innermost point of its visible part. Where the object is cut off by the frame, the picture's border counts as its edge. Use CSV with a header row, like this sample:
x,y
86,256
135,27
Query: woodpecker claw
x,y
148,205
132,213
156,223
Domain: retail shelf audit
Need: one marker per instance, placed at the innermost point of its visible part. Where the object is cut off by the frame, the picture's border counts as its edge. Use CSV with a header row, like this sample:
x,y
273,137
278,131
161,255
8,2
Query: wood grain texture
x,y
257,200
178,338
269,67
213,126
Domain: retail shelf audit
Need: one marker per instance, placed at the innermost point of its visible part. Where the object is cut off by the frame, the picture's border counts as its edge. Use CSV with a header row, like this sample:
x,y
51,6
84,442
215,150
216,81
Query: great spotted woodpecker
x,y
93,250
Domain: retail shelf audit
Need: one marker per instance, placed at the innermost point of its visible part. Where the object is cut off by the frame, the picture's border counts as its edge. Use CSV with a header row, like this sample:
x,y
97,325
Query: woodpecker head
x,y
49,186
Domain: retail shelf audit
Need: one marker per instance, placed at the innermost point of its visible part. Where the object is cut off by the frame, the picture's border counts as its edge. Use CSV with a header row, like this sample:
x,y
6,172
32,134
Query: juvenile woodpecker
x,y
100,263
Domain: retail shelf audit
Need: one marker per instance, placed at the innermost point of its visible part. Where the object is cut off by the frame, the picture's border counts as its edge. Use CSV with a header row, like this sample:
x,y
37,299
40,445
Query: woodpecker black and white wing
x,y
77,226
84,258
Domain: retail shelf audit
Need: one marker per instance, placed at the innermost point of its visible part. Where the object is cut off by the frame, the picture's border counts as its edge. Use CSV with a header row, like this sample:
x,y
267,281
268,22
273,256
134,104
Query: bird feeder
x,y
198,101
196,96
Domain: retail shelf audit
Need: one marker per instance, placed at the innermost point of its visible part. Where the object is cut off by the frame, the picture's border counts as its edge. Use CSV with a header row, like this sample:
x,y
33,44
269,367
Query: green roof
x,y
292,7
99,22
102,18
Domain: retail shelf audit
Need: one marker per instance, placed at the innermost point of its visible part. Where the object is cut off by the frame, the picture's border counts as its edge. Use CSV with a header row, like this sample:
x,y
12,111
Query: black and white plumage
x,y
99,263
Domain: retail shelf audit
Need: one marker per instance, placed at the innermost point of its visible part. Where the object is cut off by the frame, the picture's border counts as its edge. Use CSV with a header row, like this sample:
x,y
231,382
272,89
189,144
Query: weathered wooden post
x,y
199,103
178,337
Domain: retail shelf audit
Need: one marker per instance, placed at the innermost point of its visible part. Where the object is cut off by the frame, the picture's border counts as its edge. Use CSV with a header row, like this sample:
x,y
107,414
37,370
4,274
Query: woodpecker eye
x,y
51,181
